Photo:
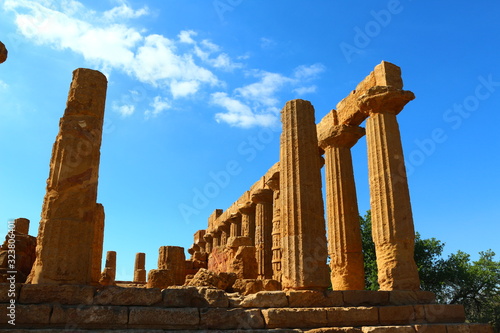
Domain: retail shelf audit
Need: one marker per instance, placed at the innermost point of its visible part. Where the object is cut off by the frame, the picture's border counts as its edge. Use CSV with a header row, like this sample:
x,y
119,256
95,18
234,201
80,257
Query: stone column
x,y
173,258
97,243
235,225
109,273
209,239
247,211
263,199
140,268
392,221
66,233
274,184
302,214
344,235
22,225
217,238
224,230
3,53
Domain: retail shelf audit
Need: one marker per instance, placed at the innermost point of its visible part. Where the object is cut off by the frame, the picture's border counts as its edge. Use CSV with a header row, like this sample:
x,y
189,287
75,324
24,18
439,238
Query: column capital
x,y
262,195
247,208
384,99
274,182
340,136
234,216
208,236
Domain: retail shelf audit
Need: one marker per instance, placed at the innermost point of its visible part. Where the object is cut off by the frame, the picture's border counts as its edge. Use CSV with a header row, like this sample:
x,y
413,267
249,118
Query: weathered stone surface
x,y
336,330
97,243
295,318
274,183
389,329
140,267
365,297
263,199
247,211
173,258
22,251
3,53
307,298
63,294
344,234
35,315
271,285
238,260
244,264
353,316
397,315
89,316
70,201
204,277
127,296
9,291
109,273
480,328
160,278
225,319
304,246
430,328
154,317
335,298
444,313
22,225
200,297
266,299
402,297
248,286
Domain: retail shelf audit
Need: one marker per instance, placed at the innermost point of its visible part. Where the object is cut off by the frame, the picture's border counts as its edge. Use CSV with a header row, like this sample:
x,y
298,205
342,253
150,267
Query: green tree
x,y
454,280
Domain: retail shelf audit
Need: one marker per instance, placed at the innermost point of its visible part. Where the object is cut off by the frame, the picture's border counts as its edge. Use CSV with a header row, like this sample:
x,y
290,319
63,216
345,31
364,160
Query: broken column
x,y
247,211
22,225
172,258
3,53
108,275
304,247
274,184
392,221
69,207
263,199
97,243
140,268
344,234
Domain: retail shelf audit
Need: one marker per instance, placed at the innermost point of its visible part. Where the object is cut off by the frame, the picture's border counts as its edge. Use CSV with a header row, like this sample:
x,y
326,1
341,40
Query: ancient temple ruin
x,y
261,264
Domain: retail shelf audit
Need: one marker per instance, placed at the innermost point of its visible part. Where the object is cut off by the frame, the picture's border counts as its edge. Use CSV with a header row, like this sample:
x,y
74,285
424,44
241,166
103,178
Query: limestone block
x,y
127,296
22,225
207,278
160,278
89,316
295,318
365,297
228,319
164,318
248,286
173,259
70,200
3,52
6,288
336,330
430,328
62,294
444,313
352,316
389,329
265,299
397,315
307,298
335,298
271,285
244,264
236,242
480,328
402,297
215,298
26,314
183,297
25,256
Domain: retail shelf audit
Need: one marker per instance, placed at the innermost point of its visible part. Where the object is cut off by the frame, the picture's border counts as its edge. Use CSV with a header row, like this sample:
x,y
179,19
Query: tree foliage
x,y
455,279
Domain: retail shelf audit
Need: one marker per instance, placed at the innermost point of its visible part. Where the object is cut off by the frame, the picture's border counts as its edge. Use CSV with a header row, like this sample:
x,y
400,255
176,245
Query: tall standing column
x,y
69,207
140,267
97,243
173,258
263,200
108,275
392,221
302,214
344,235
247,211
274,184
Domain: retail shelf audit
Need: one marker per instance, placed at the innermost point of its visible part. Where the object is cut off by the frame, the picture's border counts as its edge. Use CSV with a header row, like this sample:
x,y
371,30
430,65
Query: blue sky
x,y
194,94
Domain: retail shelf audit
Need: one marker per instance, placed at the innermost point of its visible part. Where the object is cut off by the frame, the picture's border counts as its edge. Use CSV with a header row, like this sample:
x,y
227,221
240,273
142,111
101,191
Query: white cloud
x,y
3,85
159,105
264,91
124,12
308,72
125,110
305,90
185,36
184,88
267,43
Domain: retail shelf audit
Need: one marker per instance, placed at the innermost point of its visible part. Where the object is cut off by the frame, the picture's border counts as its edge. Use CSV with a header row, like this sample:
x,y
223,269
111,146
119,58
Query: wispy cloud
x,y
3,85
178,67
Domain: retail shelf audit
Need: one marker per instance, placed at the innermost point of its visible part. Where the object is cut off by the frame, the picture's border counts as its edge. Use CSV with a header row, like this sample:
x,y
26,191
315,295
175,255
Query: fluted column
x,y
274,184
344,235
224,233
66,235
140,267
304,246
235,225
263,199
392,221
247,211
217,238
209,239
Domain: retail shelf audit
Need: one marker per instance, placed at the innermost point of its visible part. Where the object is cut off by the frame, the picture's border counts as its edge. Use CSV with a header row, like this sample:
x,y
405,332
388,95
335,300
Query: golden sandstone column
x,y
209,239
274,184
247,211
235,227
66,235
302,215
392,221
140,267
263,199
344,234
